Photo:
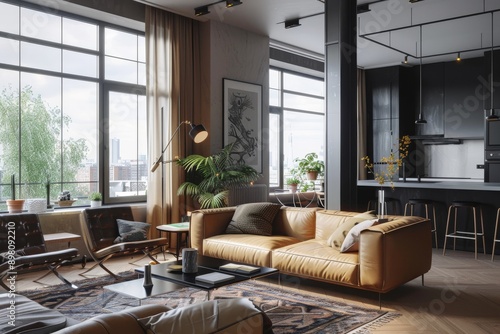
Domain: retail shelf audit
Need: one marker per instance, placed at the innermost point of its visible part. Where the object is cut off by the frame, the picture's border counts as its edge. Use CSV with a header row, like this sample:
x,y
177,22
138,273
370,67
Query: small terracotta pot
x,y
15,205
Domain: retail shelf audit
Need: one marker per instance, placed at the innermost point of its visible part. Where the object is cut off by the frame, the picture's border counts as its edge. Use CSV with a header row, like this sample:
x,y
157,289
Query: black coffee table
x,y
206,265
135,288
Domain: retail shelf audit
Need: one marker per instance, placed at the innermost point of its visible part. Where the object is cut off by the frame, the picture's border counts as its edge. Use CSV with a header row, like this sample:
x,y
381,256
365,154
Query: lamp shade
x,y
198,133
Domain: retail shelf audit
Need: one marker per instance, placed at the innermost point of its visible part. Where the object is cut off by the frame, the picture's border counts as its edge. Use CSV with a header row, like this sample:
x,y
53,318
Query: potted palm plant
x,y
310,166
211,178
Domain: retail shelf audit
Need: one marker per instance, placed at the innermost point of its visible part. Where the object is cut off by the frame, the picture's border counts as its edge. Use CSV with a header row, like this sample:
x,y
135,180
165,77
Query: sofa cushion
x,y
212,316
245,248
315,259
253,218
299,223
131,231
351,241
339,235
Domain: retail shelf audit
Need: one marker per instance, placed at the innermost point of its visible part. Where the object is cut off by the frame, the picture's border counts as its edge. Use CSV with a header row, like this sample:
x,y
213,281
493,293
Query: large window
x,y
72,106
296,121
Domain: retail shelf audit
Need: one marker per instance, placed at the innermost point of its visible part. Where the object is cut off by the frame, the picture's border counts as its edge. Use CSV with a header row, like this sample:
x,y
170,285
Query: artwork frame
x,y
242,121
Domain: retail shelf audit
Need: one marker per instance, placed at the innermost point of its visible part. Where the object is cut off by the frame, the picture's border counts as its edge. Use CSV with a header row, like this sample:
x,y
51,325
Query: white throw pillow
x,y
351,241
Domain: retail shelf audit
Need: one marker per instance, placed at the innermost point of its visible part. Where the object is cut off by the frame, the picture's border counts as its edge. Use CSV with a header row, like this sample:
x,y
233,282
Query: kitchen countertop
x,y
436,183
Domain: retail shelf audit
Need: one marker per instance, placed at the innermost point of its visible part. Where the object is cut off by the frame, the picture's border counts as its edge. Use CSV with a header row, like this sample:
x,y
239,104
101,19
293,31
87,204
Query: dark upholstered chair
x,y
100,230
22,246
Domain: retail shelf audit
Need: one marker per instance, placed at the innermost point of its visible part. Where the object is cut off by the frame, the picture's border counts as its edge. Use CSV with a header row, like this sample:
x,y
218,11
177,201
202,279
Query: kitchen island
x,y
443,192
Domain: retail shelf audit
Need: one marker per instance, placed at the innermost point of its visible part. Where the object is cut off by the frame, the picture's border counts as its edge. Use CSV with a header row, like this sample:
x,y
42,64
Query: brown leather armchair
x,y
100,230
22,246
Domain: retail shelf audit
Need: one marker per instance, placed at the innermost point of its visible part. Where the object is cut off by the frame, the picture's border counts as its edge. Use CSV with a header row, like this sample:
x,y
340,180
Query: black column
x,y
341,87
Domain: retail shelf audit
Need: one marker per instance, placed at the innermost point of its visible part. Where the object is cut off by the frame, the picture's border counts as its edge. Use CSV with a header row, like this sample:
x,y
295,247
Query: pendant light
x,y
491,116
420,119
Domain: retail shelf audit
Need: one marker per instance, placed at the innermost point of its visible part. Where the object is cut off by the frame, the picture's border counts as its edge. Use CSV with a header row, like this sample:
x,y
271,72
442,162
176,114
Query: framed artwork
x,y
243,121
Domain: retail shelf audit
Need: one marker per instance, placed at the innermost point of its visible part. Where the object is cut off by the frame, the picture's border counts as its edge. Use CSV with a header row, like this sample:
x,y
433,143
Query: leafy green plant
x,y
211,178
96,196
309,163
292,181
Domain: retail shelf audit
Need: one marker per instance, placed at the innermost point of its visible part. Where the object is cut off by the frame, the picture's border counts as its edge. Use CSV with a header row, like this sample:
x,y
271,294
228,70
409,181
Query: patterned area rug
x,y
291,311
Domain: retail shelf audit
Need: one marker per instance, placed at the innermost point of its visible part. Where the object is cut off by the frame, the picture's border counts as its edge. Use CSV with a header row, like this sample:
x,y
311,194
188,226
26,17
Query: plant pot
x,y
15,205
312,175
293,188
95,204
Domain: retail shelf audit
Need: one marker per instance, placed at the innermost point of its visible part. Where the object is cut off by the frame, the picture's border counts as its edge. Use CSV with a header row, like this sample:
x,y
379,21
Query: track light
x,y
413,1
292,23
202,10
232,3
406,60
458,57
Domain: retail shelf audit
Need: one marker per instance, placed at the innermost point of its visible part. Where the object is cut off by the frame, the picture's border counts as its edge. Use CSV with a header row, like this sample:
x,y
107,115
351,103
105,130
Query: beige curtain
x,y
361,107
172,86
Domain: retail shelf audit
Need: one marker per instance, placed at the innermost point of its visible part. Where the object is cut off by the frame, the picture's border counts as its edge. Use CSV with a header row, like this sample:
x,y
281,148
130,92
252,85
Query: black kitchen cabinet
x,y
487,83
463,101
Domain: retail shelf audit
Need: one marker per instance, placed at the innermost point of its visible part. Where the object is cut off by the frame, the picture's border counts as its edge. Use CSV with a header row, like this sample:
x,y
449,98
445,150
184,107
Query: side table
x,y
180,229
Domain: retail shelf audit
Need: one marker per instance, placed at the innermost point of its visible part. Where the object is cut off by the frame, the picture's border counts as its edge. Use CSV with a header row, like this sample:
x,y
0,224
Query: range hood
x,y
436,140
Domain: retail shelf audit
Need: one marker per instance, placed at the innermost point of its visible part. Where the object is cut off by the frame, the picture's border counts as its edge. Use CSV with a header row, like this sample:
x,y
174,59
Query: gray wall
x,y
235,54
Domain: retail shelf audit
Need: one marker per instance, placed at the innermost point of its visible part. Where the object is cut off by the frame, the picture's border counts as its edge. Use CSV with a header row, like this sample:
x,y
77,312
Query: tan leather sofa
x,y
390,254
228,316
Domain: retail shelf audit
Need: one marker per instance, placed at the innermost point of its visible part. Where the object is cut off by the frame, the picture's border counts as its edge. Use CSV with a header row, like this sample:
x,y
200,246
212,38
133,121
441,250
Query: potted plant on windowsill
x,y
310,166
14,205
292,183
95,199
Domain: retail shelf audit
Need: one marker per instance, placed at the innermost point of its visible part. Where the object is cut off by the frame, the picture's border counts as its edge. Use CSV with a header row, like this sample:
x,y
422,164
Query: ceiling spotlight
x,y
406,60
202,10
292,23
458,57
232,3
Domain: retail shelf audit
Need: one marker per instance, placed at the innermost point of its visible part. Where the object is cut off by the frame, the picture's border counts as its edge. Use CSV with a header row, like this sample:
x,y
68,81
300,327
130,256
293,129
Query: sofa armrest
x,y
393,253
207,223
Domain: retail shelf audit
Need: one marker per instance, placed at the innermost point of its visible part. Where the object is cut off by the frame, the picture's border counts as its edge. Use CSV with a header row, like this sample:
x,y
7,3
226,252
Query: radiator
x,y
250,194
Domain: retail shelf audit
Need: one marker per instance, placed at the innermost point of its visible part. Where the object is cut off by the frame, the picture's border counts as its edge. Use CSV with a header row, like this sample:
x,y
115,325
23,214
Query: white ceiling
x,y
266,17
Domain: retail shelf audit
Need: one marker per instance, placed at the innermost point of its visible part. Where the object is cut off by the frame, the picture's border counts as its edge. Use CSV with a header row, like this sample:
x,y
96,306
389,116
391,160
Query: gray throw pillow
x,y
253,218
131,231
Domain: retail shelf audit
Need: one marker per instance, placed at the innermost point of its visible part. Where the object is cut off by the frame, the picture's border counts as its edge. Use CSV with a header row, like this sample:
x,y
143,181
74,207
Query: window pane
x,y
121,44
128,164
121,70
9,130
274,150
302,84
303,102
81,34
40,25
302,134
40,133
9,18
142,74
80,64
141,48
10,51
40,57
80,141
274,79
274,97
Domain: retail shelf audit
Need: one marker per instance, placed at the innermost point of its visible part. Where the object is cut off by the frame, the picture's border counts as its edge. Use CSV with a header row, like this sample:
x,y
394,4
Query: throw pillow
x,y
131,231
338,236
253,218
351,242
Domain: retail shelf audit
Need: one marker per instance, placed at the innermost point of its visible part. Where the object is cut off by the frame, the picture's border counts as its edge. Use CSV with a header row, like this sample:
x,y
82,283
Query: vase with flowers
x,y
389,168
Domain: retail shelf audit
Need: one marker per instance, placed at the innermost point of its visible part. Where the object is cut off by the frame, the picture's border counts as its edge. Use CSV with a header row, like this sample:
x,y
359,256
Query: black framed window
x,y
72,106
296,121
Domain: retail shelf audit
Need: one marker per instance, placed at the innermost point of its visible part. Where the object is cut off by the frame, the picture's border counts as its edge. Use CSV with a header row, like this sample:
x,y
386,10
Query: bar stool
x,y
476,210
495,240
426,203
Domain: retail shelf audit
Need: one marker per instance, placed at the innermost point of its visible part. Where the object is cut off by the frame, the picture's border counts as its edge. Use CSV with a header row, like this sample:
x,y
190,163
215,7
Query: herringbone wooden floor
x,y
460,295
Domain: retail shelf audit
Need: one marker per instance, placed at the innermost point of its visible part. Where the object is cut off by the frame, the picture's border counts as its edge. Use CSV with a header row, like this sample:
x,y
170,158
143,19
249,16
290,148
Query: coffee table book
x,y
214,278
240,268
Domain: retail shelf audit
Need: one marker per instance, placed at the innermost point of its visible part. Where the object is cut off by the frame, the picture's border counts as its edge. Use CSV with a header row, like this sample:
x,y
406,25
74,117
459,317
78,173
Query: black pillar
x,y
341,120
